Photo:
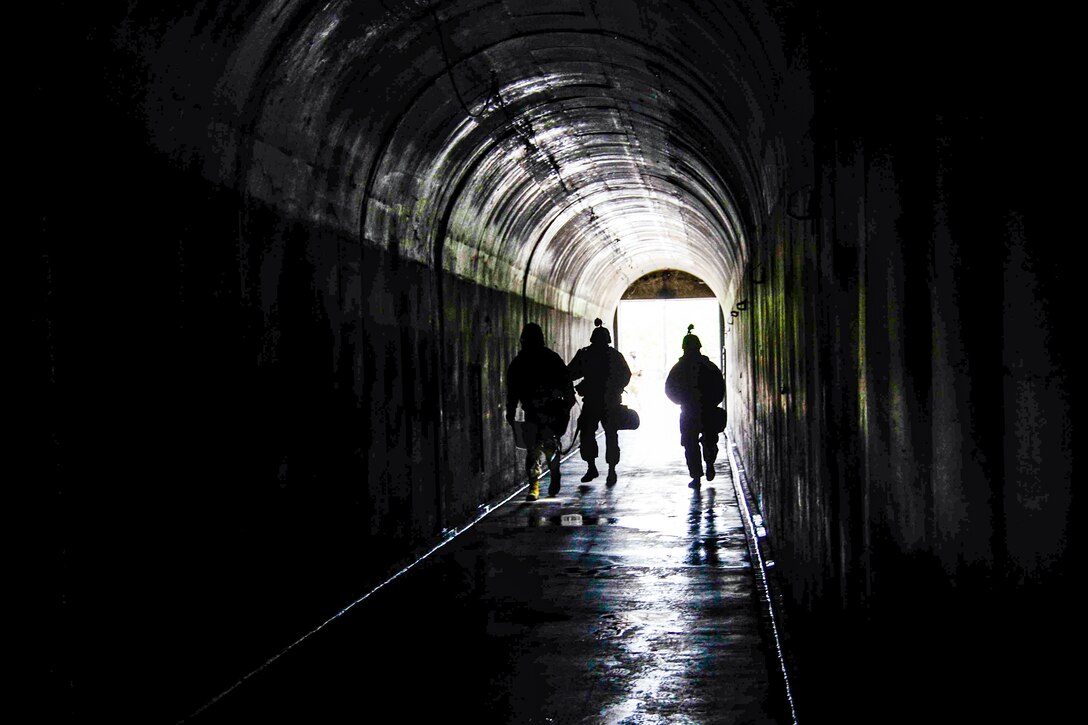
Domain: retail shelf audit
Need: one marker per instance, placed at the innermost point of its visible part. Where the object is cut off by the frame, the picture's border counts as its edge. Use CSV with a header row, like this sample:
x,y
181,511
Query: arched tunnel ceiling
x,y
560,148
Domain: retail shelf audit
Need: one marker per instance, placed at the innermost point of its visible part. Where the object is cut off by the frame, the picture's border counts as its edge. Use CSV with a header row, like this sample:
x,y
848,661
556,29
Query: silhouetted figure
x,y
537,378
696,385
604,375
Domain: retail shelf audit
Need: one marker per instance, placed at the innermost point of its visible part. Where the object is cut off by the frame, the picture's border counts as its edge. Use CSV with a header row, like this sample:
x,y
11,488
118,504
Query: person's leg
x,y
551,453
611,452
533,451
689,439
710,452
587,439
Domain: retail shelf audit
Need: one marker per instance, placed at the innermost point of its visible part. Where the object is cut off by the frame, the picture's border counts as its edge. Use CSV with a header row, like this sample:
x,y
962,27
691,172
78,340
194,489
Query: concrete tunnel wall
x,y
302,239
900,382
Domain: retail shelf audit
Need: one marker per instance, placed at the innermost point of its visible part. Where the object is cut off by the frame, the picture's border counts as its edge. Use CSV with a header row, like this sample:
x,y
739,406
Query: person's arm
x,y
708,383
672,385
558,373
717,390
574,368
576,371
624,369
568,388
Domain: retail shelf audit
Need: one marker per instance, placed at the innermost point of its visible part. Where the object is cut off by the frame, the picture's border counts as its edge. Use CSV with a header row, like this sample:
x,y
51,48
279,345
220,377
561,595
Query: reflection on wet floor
x,y
631,604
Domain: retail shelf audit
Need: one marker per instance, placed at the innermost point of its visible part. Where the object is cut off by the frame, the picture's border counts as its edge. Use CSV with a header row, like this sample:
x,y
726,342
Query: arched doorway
x,y
651,320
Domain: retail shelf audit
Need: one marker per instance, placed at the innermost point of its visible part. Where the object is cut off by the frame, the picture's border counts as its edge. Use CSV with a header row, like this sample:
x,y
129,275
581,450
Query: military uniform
x,y
696,384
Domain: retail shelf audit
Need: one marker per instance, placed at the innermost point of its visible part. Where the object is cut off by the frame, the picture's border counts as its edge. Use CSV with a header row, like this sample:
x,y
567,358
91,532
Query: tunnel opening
x,y
651,320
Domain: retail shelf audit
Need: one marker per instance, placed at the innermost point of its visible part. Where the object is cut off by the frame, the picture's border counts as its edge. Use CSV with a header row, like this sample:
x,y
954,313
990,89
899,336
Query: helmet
x,y
691,341
600,334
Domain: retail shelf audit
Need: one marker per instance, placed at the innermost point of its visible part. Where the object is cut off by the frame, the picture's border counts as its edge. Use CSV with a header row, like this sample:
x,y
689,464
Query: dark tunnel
x,y
284,251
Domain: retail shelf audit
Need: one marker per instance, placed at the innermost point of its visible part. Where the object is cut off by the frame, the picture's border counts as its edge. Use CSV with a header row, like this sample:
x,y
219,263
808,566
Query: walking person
x,y
537,379
695,383
604,374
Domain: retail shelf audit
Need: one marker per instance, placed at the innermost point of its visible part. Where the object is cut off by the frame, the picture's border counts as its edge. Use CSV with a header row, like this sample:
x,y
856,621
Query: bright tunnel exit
x,y
650,332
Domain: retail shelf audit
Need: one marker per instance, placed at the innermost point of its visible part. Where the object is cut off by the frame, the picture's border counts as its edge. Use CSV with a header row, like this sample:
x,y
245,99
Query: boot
x,y
695,482
611,479
591,473
555,480
534,491
709,471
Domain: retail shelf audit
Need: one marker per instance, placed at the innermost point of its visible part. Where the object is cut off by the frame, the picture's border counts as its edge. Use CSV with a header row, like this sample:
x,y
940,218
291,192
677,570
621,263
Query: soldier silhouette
x,y
695,383
604,374
537,378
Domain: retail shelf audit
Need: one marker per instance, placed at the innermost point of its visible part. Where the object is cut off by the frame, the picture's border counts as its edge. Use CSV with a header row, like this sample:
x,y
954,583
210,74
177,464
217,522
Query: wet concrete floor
x,y
625,604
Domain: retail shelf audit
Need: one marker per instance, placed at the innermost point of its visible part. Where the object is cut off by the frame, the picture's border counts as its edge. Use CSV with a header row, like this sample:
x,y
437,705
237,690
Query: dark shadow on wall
x,y
239,418
902,384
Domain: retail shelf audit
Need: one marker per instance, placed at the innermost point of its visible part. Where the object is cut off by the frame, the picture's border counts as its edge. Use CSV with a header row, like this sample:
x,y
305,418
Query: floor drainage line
x,y
449,536
740,485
